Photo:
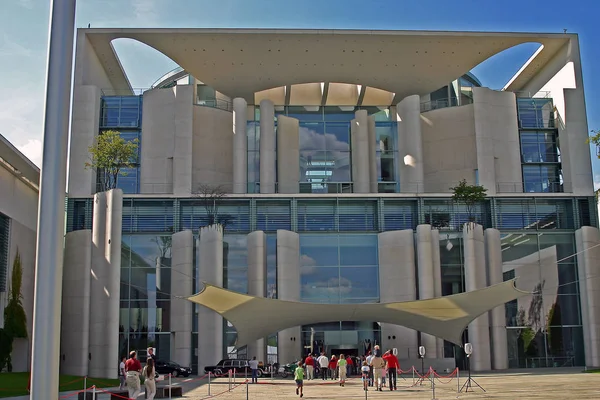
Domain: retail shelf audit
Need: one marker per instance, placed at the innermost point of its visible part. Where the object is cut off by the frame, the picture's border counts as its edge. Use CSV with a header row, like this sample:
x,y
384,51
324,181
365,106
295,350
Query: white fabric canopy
x,y
444,317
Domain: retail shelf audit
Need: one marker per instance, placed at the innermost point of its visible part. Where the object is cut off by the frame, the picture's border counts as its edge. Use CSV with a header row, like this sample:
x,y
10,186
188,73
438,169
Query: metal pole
x,y
51,211
246,388
170,387
94,392
457,380
209,383
85,387
433,385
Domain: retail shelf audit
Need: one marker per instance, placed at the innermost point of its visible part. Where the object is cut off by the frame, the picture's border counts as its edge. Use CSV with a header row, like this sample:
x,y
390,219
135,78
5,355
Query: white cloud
x,y
32,150
10,48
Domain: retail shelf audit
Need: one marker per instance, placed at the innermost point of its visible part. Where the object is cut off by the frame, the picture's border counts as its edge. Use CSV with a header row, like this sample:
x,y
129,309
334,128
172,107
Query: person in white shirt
x,y
369,359
324,364
122,374
254,367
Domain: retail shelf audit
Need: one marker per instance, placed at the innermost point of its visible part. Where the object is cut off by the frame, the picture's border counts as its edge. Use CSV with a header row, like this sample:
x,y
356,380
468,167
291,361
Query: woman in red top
x,y
392,365
310,367
333,367
350,365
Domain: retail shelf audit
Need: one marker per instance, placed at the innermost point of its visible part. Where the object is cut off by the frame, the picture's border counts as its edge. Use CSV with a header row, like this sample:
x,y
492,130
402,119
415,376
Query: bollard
x,y
94,392
433,385
413,372
246,388
85,387
457,380
209,383
229,375
170,386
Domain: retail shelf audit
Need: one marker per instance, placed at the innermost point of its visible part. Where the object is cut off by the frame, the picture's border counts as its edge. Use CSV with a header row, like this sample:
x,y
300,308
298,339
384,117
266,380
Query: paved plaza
x,y
548,384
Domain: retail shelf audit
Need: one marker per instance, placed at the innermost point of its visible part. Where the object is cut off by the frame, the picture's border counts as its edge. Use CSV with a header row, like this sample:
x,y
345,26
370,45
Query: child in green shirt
x,y
299,377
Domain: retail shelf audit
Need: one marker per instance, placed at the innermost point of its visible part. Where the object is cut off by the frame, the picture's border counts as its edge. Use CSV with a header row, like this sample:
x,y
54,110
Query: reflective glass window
x,y
359,283
542,179
539,147
535,113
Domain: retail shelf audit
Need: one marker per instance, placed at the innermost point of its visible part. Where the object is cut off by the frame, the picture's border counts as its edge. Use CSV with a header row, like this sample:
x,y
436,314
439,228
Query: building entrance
x,y
346,352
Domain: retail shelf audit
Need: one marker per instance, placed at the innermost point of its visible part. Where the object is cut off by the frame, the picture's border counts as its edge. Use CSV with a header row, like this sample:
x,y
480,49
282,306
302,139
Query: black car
x,y
170,367
239,366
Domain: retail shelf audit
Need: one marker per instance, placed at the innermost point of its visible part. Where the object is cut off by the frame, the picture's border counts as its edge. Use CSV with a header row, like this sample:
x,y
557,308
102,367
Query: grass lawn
x,y
15,383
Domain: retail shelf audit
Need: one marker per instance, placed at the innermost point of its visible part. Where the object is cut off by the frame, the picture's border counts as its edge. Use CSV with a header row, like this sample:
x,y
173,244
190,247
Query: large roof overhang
x,y
443,317
242,62
18,163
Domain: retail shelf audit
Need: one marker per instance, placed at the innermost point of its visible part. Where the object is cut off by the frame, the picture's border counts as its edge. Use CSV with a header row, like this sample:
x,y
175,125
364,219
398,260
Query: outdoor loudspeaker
x,y
422,351
468,349
395,351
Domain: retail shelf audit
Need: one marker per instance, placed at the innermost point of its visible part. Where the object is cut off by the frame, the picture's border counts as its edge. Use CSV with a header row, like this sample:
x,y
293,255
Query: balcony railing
x,y
221,104
439,103
533,187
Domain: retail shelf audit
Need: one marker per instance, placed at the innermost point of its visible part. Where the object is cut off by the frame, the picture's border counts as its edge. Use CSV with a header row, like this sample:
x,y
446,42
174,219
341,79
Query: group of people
x,y
375,367
131,370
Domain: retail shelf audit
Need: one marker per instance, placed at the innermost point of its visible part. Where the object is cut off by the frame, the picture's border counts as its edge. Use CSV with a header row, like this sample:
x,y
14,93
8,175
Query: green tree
x,y
15,319
594,139
469,195
109,156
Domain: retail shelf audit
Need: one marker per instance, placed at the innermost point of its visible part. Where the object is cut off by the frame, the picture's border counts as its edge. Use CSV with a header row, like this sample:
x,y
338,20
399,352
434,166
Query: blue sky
x,y
24,36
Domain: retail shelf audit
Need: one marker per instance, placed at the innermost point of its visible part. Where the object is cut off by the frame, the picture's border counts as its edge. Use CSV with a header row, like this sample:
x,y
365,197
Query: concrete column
x,y
182,312
183,142
257,283
373,181
588,261
288,155
210,324
437,279
410,145
359,140
426,281
397,282
267,147
475,278
75,328
499,342
289,341
98,298
240,146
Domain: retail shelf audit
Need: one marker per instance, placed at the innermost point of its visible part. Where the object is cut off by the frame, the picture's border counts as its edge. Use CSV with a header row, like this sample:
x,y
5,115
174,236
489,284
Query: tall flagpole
x,y
51,211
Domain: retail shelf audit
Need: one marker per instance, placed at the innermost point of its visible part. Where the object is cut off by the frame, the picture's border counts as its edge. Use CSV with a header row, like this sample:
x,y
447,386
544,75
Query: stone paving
x,y
539,384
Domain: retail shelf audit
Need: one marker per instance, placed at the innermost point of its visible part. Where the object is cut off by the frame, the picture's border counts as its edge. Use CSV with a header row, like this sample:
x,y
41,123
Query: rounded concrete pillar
x,y
373,180
267,147
240,146
493,249
397,282
257,283
426,281
410,145
288,155
182,312
476,278
210,324
289,341
359,140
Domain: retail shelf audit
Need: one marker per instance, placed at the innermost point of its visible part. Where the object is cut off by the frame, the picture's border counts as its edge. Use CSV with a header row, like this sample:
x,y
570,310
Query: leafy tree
x,y
109,156
469,195
15,319
594,139
210,197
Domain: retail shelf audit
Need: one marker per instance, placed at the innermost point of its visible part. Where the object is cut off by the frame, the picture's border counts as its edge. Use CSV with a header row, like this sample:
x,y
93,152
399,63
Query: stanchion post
x,y
457,380
209,383
432,383
413,373
229,375
94,392
246,388
234,374
85,387
170,390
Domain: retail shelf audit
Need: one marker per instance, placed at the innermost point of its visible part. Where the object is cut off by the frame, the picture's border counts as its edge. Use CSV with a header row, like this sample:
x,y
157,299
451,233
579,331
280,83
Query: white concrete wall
x,y
240,146
449,147
397,282
411,145
288,150
588,261
288,288
18,201
359,141
427,280
257,283
476,278
182,312
210,324
267,147
499,344
75,318
497,141
212,148
373,179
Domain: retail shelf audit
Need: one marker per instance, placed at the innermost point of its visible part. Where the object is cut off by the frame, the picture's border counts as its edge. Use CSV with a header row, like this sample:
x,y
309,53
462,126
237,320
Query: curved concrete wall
x,y
289,341
75,327
210,324
397,282
493,247
427,280
359,141
240,146
182,268
267,147
257,283
212,162
410,145
288,150
475,278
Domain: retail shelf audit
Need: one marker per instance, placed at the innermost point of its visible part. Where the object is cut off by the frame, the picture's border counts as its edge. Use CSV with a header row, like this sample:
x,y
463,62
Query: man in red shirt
x,y
133,368
310,367
393,365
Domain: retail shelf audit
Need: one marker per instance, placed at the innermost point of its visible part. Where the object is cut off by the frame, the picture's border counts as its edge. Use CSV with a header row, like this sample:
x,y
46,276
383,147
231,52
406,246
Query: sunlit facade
x,y
334,187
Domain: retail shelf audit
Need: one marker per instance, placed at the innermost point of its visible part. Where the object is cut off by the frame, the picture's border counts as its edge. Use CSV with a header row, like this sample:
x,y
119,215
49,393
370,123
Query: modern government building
x,y
316,166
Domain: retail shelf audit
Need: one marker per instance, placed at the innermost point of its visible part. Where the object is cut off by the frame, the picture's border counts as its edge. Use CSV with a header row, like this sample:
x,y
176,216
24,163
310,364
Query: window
x,y
542,179
535,113
539,147
121,111
4,242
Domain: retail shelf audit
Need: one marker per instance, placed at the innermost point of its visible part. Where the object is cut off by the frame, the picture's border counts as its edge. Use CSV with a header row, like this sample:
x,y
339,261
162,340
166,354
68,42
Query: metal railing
x,y
221,104
537,187
439,103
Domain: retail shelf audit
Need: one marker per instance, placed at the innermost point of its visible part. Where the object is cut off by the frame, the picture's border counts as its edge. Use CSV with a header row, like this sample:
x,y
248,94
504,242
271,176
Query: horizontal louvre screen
x,y
554,214
448,215
535,214
316,215
357,215
233,215
272,215
147,216
587,212
4,244
399,215
79,214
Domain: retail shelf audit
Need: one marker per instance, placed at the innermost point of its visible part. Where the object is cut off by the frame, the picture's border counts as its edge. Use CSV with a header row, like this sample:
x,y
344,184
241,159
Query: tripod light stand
x,y
470,381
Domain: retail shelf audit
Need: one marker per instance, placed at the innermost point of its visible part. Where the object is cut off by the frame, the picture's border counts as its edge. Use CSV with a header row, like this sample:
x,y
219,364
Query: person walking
x,y
122,373
377,363
310,367
392,365
133,368
149,379
365,375
323,365
369,359
333,367
299,378
342,369
350,365
254,367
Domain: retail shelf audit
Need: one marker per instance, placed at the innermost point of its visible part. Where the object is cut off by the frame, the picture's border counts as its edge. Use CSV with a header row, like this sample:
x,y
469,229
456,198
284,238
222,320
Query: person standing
x,y
365,375
323,364
369,359
377,363
333,367
122,374
299,378
342,369
393,365
254,367
310,367
150,354
149,379
350,365
133,368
